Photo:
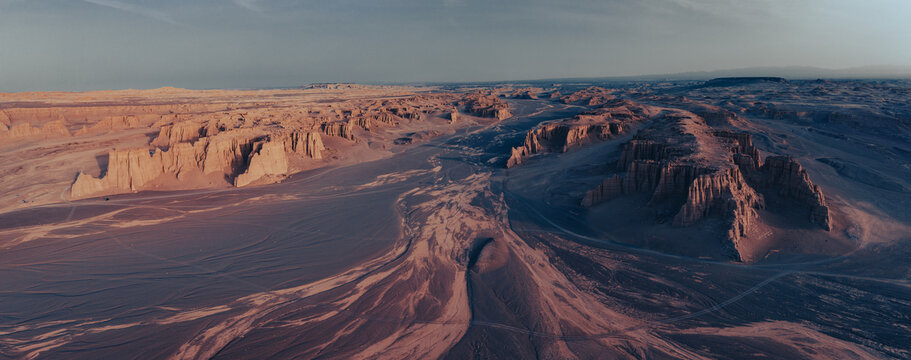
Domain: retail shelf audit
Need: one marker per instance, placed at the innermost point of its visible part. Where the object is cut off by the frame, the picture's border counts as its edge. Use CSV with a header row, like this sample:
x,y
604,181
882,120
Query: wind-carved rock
x,y
679,167
613,119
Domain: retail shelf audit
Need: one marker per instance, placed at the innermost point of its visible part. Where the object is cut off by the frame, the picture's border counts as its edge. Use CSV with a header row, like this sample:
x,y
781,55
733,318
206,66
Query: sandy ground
x,y
436,250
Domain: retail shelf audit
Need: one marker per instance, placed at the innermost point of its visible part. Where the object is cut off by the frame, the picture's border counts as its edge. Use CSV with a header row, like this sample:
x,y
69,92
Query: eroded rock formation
x,y
610,120
677,162
237,157
25,130
592,96
485,105
268,160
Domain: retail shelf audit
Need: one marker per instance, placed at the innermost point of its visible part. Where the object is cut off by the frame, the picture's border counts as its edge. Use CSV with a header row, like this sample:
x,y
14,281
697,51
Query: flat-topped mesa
x,y
612,119
485,105
592,96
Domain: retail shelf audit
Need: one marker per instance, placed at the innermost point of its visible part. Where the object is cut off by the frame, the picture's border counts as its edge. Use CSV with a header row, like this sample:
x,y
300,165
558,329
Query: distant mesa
x,y
744,80
337,86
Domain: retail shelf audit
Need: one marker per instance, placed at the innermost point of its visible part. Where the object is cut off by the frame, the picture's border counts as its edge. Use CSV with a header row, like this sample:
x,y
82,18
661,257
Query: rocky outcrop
x,y
592,96
560,135
53,129
180,132
240,157
111,123
485,105
132,170
268,160
525,93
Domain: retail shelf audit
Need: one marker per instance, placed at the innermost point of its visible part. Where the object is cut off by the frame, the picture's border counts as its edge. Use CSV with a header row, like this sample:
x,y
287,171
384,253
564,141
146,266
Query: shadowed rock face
x,y
133,170
268,160
671,164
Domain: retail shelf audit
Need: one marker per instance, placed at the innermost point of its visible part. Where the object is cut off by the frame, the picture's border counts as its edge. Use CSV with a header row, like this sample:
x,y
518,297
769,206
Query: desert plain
x,y
730,218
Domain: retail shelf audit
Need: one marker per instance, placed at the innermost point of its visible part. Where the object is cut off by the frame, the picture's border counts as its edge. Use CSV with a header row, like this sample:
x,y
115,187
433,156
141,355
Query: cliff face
x,y
268,160
180,132
340,129
788,179
678,169
308,144
612,119
240,157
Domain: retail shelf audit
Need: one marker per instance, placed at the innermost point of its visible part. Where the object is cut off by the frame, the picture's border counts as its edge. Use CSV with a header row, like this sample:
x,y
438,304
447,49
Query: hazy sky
x,y
115,44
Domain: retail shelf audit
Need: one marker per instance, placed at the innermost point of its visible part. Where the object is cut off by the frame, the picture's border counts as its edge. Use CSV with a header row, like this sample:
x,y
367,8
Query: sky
x,y
118,44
